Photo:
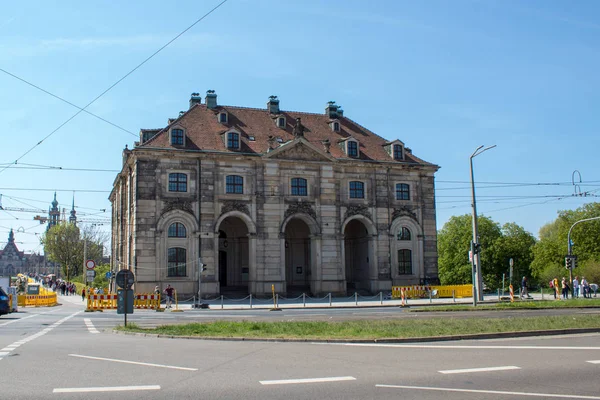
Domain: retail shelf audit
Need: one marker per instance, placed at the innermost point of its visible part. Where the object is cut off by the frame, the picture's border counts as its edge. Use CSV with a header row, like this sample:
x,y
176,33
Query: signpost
x,y
125,279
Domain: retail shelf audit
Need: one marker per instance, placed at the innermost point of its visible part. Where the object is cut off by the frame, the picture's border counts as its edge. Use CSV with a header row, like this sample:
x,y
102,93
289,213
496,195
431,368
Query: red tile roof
x,y
203,132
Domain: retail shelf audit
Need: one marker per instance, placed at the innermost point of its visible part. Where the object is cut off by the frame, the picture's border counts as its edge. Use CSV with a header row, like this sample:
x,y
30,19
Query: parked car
x,y
4,305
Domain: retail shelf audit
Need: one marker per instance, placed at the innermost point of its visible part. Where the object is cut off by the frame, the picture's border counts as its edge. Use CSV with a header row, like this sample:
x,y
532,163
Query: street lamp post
x,y
570,246
475,245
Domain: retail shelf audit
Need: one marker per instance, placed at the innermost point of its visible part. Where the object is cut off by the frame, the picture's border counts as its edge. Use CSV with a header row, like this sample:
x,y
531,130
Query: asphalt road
x,y
65,353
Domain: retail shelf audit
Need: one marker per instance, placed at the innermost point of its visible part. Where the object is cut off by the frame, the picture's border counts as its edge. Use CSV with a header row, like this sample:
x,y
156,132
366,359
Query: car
x,y
4,305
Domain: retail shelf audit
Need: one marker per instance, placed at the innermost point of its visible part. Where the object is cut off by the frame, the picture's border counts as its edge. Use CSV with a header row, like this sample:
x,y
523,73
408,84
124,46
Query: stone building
x,y
12,260
311,203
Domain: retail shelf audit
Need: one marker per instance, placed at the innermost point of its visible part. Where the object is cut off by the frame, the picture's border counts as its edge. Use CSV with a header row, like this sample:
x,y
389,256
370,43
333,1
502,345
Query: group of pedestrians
x,y
580,288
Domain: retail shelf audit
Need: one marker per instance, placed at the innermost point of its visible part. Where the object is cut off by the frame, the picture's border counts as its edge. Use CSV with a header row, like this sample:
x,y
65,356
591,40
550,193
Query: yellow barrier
x,y
34,300
416,291
97,302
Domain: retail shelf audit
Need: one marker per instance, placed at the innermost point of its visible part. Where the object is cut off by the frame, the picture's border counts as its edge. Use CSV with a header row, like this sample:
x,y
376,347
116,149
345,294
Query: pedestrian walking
x,y
575,287
83,294
524,292
565,289
555,284
169,292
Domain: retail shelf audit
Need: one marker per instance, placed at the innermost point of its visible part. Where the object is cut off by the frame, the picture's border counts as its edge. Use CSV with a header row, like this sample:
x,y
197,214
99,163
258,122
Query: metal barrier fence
x,y
34,300
97,302
447,291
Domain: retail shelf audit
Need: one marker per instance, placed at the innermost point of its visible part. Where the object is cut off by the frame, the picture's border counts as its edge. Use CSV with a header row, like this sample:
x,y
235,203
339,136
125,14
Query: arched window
x,y
404,234
299,187
176,262
234,184
404,262
177,182
402,191
233,140
177,230
357,190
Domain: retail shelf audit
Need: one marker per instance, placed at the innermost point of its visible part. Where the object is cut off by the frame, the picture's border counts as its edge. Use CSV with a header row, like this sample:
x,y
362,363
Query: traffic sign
x,y
90,274
125,301
90,264
125,279
108,275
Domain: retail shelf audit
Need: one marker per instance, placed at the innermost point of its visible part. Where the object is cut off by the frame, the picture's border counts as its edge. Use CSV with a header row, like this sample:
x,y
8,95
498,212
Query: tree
x,y
498,246
64,244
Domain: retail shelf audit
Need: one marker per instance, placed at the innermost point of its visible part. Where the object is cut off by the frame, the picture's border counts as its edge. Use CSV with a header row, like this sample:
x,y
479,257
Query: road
x,y
65,353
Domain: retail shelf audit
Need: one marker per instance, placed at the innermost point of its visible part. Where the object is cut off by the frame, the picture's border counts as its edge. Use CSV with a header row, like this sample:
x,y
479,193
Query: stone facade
x,y
292,205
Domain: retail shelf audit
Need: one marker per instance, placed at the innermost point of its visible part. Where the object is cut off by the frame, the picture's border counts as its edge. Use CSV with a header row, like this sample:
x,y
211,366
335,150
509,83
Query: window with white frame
x,y
176,262
223,118
281,122
357,190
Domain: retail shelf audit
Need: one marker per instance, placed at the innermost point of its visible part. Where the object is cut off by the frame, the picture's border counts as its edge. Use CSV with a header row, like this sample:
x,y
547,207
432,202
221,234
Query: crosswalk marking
x,y
90,325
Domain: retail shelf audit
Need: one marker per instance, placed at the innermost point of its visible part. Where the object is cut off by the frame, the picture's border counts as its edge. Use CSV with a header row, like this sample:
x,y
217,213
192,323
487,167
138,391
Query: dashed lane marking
x,y
441,389
310,380
90,325
20,319
594,362
469,370
133,362
21,342
106,389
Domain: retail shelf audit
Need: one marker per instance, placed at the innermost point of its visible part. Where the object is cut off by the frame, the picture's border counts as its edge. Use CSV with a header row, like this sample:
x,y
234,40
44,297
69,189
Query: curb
x,y
475,336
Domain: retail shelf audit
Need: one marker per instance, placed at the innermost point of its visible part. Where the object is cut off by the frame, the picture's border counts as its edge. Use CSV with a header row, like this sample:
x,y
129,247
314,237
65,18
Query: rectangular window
x,y
233,140
397,152
177,182
299,187
234,184
177,137
223,117
281,122
404,262
402,191
357,190
176,263
352,149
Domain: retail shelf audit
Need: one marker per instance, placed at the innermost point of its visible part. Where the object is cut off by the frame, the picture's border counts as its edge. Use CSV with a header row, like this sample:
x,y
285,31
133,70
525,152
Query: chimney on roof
x,y
273,105
195,99
332,110
211,99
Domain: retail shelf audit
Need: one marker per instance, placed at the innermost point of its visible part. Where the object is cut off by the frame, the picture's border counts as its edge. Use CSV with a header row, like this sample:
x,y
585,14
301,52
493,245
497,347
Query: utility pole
x,y
475,245
83,270
571,264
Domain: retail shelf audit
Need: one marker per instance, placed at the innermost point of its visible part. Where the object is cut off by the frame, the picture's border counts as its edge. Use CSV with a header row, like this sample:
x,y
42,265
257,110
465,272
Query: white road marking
x,y
594,362
17,320
303,315
90,325
468,370
450,347
106,389
310,380
440,389
37,335
134,362
3,353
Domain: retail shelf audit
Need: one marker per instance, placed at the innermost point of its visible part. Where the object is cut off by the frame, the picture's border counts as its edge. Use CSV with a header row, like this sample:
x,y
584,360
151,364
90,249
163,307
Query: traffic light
x,y
568,264
574,262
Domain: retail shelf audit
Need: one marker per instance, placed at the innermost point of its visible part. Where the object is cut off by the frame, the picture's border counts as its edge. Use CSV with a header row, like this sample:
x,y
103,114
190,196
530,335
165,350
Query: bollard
x,y
498,294
176,303
221,302
250,300
303,299
276,300
329,299
381,298
430,301
453,297
512,293
356,299
402,297
542,290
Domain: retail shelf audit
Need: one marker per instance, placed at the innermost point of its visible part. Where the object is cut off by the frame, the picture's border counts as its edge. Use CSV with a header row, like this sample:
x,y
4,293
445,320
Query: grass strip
x,y
518,304
370,329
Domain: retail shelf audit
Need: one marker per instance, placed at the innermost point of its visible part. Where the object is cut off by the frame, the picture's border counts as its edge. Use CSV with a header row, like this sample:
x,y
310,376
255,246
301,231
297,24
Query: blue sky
x,y
442,76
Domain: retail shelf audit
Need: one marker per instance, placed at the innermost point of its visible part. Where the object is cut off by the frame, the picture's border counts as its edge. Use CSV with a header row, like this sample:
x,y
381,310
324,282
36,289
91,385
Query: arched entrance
x,y
298,272
357,256
234,257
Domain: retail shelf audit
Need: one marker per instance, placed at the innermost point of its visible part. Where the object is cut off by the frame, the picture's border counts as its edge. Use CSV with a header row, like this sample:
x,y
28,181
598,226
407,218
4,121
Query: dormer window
x,y
177,137
223,117
397,152
352,148
279,140
281,122
233,141
335,126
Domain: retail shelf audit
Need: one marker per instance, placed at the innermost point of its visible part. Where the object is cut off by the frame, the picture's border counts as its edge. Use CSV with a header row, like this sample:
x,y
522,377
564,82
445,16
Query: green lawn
x,y
518,304
370,329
